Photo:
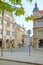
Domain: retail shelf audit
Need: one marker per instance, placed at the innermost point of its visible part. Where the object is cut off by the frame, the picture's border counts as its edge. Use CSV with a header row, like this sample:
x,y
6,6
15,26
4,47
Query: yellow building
x,y
19,33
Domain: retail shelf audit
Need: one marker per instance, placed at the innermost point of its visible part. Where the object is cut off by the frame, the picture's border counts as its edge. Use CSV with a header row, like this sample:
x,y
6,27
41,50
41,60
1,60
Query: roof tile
x,y
41,11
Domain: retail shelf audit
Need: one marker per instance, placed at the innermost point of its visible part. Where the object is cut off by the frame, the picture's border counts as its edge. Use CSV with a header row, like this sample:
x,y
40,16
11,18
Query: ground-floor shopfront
x,y
38,43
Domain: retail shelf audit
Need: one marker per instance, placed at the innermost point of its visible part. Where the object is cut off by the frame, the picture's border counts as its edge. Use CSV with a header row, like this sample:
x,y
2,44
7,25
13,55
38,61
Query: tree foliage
x,y
13,6
31,17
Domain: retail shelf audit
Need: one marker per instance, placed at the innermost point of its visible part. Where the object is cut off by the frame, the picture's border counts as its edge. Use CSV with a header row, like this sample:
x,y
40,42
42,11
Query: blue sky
x,y
28,10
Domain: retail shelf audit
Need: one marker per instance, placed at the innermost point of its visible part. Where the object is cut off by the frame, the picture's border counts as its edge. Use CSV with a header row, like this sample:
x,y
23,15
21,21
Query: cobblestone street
x,y
36,55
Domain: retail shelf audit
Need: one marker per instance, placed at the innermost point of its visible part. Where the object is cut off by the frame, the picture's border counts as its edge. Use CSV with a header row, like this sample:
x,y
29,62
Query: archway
x,y
0,42
40,43
8,43
12,43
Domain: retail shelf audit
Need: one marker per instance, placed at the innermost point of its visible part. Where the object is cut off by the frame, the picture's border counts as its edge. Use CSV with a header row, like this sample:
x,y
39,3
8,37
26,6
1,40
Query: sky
x,y
28,11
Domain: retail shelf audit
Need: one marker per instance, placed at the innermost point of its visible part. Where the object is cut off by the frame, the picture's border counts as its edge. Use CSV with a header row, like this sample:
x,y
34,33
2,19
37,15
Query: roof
x,y
36,8
41,11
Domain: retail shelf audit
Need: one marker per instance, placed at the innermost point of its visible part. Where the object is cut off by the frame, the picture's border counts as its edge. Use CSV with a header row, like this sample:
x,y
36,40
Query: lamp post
x,y
11,46
11,43
29,32
2,32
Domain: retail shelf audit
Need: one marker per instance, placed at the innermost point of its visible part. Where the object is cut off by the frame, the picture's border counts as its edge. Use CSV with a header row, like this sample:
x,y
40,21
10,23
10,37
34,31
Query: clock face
x,y
35,14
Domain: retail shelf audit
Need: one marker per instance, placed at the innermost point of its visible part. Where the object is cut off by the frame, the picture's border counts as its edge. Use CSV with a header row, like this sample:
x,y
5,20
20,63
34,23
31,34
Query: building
x,y
10,32
7,32
37,27
31,40
19,36
26,39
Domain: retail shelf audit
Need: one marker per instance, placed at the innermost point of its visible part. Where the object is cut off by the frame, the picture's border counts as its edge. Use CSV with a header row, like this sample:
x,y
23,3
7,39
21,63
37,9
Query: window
x,y
7,16
40,33
0,22
13,26
12,33
8,24
40,23
15,34
8,32
0,31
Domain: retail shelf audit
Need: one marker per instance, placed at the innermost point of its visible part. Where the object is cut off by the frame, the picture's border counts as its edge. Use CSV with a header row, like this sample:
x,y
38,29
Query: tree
x,y
14,6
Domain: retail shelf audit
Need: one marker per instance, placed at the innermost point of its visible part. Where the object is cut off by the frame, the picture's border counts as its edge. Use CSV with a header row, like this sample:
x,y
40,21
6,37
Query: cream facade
x,y
11,33
7,33
37,27
19,37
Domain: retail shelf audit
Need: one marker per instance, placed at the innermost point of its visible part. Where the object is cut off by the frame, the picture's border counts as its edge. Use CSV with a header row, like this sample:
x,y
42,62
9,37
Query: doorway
x,y
40,43
0,43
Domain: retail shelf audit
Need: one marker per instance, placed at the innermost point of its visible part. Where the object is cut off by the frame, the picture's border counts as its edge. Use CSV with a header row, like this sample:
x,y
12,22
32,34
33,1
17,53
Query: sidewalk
x,y
22,56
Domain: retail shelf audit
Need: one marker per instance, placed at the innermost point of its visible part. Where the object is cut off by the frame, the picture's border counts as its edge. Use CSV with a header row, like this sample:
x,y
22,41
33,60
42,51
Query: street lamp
x,y
2,32
29,32
11,43
11,46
